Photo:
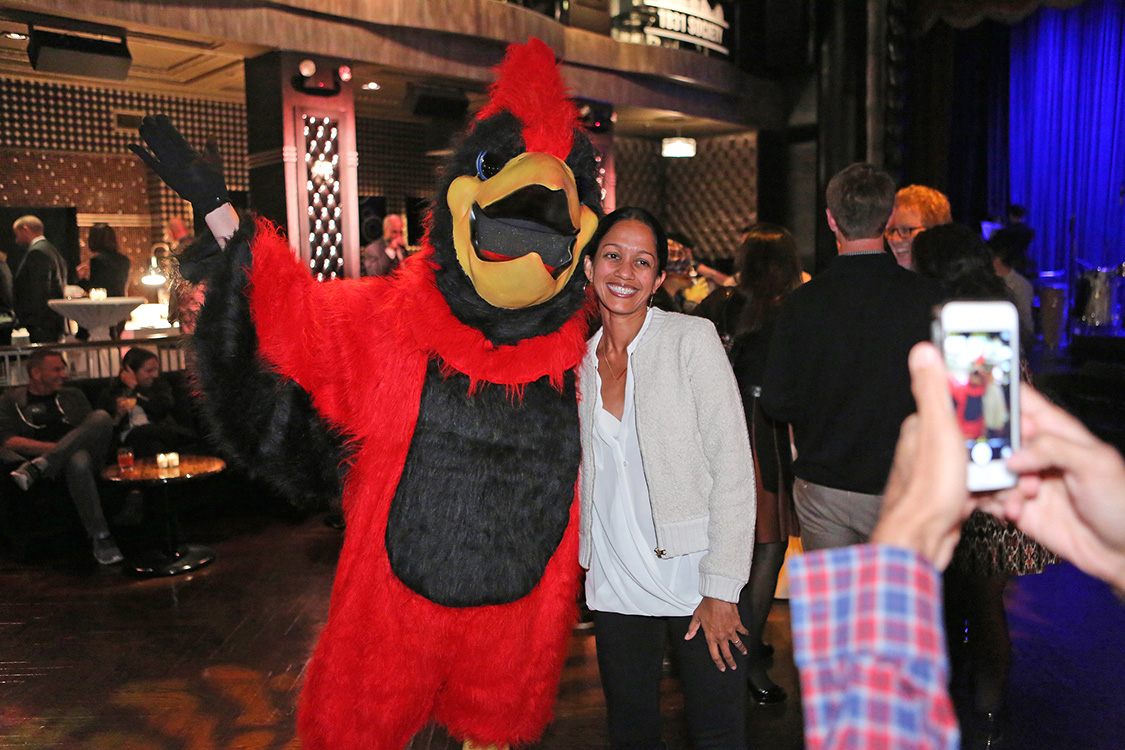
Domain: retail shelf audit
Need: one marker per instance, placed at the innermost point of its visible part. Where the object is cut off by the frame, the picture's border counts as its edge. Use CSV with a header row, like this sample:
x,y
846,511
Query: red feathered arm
x,y
318,334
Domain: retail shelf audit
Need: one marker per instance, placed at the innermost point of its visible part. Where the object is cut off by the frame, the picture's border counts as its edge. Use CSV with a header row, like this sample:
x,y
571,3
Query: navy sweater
x,y
837,368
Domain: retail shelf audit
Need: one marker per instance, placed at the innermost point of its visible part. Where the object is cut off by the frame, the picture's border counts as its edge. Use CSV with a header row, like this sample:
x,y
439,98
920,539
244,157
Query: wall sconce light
x,y
678,148
154,277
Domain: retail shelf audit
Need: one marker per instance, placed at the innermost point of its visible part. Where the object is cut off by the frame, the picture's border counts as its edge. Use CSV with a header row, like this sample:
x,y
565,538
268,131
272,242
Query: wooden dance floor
x,y
213,660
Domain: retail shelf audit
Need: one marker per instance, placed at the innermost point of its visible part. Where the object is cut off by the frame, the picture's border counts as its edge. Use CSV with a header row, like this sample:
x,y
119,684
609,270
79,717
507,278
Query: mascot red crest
x,y
442,400
527,85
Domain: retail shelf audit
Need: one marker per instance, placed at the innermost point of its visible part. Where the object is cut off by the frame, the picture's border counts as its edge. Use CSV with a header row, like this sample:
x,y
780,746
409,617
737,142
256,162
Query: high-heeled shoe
x,y
990,731
774,694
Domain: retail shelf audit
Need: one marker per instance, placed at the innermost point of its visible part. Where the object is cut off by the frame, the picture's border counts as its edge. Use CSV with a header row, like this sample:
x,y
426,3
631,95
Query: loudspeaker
x,y
434,101
50,52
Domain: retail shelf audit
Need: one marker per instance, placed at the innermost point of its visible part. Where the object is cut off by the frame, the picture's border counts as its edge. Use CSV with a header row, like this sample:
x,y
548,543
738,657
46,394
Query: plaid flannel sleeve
x,y
870,646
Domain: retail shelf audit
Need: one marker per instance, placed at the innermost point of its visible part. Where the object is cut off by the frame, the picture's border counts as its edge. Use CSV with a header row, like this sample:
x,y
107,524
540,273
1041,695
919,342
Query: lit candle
x,y
162,460
173,460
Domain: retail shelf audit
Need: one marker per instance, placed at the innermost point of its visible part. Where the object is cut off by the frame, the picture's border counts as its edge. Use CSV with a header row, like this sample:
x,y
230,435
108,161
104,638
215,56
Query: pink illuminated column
x,y
301,132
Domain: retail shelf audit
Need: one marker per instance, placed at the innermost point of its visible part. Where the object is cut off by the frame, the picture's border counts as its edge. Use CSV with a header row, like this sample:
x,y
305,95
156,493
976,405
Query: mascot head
x,y
517,204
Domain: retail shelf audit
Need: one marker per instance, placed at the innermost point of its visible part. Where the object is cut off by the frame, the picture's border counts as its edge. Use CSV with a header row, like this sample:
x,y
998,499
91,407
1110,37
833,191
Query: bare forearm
x,y
713,275
27,446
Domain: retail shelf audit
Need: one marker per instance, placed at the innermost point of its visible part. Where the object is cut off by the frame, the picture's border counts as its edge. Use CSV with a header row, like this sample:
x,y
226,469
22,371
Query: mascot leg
x,y
375,697
502,686
379,663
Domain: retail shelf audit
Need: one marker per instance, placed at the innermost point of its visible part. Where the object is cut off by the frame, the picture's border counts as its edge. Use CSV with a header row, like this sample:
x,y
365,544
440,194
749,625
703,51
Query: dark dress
x,y
990,547
773,460
109,271
7,305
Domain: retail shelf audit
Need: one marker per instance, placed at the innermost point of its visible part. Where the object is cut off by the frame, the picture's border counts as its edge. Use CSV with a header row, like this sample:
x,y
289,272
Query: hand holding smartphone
x,y
980,344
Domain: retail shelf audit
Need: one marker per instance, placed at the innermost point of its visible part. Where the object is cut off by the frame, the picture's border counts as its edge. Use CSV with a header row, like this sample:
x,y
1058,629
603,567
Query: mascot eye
x,y
489,165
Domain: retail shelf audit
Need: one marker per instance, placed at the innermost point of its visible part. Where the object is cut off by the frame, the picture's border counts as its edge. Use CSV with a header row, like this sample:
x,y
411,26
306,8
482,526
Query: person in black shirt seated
x,y
55,428
143,407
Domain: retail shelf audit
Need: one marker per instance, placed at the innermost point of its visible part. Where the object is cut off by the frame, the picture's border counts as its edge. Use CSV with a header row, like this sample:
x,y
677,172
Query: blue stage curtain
x,y
1067,132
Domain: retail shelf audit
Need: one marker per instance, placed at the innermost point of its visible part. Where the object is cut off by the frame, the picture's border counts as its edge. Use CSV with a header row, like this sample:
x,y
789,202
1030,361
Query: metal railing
x,y
92,359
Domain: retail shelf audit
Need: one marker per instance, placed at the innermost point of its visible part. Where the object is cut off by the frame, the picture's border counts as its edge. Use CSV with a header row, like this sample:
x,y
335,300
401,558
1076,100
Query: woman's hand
x,y
721,627
125,405
1071,490
927,499
128,377
196,177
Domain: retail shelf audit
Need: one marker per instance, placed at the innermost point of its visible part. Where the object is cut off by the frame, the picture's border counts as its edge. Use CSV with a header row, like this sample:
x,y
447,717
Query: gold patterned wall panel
x,y
640,173
708,198
711,196
393,163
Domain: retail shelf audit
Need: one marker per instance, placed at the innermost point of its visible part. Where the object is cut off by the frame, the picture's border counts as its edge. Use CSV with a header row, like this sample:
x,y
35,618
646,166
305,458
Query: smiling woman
x,y
667,497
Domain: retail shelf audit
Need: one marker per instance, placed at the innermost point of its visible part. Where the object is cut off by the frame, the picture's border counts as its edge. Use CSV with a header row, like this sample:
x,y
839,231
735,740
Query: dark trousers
x,y
631,652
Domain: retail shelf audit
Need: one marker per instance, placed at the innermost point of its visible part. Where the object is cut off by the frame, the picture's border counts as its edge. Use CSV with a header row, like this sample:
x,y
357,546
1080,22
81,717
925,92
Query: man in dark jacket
x,y
38,275
55,429
837,365
7,307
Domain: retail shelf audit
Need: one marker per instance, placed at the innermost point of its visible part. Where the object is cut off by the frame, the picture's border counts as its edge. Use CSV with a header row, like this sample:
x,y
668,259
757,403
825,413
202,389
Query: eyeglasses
x,y
902,232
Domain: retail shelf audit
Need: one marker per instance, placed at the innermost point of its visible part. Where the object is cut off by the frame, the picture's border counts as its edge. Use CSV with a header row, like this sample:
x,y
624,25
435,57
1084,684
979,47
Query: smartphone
x,y
980,342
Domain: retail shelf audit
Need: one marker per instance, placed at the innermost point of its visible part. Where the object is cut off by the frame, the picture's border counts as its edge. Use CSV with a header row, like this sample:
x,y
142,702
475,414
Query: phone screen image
x,y
980,367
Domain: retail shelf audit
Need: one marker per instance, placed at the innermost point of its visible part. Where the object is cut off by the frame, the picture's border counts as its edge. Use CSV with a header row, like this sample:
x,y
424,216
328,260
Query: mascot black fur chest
x,y
485,495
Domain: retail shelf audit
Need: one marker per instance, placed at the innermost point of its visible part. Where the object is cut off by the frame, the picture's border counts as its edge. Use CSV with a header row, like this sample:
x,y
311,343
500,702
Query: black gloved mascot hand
x,y
183,168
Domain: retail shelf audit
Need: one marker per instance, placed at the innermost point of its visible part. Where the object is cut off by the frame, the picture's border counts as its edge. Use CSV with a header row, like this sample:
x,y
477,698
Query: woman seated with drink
x,y
667,498
143,405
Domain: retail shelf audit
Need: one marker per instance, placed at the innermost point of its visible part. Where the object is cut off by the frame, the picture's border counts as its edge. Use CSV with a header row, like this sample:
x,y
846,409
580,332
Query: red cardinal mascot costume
x,y
446,393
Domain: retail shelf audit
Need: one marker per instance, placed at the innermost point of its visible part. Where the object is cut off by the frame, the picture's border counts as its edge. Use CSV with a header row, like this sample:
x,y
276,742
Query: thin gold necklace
x,y
605,359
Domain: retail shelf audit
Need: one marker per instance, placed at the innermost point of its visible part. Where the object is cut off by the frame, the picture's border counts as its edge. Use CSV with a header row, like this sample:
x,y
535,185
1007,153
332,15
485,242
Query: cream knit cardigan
x,y
694,445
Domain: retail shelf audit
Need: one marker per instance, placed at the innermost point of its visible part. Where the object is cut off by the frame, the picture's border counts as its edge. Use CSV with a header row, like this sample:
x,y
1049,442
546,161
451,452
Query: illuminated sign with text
x,y
697,24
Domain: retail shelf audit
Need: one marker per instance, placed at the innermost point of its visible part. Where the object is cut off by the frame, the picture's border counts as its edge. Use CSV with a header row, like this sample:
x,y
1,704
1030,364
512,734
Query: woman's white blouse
x,y
625,575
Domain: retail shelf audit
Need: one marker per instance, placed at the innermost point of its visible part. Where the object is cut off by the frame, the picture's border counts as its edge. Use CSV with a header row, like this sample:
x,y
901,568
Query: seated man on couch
x,y
54,428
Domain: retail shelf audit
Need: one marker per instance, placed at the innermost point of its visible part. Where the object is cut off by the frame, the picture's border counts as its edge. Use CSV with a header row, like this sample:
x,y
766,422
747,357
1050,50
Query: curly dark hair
x,y
960,261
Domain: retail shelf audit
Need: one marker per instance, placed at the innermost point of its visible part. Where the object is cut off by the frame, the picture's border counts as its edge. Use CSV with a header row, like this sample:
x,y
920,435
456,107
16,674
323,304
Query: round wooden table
x,y
173,558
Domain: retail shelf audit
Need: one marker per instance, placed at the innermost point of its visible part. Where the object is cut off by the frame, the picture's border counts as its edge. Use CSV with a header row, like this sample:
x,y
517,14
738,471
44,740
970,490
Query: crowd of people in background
x,y
703,454
36,273
877,497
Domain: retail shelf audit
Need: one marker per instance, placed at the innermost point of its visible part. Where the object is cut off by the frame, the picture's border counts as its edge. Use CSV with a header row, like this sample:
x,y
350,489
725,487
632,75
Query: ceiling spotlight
x,y
371,86
15,35
307,68
345,72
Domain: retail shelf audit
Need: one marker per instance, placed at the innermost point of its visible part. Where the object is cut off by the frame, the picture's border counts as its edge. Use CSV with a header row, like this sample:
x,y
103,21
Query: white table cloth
x,y
97,316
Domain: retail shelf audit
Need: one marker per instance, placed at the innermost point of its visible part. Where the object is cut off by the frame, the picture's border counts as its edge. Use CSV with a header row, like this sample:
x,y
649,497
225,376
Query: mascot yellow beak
x,y
519,233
